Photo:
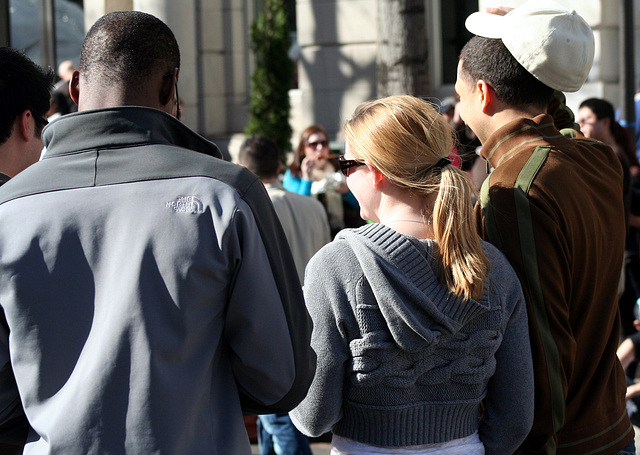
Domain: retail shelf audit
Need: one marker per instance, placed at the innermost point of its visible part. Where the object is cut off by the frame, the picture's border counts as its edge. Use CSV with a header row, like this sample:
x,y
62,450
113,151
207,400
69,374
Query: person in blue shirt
x,y
315,172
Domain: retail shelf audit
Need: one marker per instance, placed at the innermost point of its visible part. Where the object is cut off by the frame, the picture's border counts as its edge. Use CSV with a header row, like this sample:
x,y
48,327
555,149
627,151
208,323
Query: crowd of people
x,y
153,293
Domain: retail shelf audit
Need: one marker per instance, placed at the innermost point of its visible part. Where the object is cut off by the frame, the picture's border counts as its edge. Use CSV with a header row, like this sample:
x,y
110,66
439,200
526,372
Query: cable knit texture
x,y
401,360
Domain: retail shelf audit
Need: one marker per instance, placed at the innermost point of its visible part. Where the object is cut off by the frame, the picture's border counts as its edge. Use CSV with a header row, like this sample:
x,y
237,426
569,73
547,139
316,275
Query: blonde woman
x,y
416,320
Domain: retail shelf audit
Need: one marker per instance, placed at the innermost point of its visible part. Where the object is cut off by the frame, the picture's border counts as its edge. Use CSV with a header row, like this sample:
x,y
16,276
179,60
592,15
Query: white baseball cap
x,y
552,42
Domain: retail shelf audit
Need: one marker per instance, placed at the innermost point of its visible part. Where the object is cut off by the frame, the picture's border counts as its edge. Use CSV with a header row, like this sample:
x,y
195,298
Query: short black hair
x,y
24,85
128,47
60,101
490,60
260,155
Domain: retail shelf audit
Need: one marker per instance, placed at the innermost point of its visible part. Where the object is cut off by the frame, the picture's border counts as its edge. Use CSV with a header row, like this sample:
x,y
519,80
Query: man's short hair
x,y
260,155
128,47
23,86
488,59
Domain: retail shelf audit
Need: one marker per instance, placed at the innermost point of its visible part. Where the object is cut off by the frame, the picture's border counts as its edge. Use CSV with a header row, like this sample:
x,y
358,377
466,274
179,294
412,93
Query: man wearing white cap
x,y
553,205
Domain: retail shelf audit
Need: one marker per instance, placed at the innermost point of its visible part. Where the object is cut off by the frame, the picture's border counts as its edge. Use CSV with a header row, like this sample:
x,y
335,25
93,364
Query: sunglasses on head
x,y
346,165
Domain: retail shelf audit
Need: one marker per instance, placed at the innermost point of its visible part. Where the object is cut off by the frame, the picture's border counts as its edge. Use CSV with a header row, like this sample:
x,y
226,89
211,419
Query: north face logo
x,y
186,204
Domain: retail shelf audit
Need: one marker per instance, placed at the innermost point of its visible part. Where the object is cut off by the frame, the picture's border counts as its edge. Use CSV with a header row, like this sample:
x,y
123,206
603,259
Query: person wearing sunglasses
x,y
311,161
24,96
419,326
314,171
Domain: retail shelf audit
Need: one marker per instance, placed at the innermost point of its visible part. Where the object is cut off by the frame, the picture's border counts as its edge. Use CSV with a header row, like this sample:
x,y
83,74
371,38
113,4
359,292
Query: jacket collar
x,y
123,126
510,138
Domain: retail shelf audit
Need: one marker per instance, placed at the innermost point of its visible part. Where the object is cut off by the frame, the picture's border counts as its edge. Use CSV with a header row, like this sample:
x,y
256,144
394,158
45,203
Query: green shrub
x,y
269,107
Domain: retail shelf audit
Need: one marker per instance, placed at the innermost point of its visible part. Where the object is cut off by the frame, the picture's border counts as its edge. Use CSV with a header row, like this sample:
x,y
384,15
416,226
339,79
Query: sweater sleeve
x,y
509,403
296,184
327,300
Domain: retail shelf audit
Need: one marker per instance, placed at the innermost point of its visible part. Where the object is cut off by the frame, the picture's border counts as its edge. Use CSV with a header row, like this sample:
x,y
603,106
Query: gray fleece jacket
x,y
403,362
148,293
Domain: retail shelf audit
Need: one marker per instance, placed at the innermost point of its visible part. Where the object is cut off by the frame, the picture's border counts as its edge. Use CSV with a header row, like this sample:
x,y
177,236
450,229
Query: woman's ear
x,y
377,178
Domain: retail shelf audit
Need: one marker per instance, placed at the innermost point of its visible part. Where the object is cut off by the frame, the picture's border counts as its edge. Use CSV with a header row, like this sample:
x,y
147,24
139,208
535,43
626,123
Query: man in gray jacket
x,y
149,296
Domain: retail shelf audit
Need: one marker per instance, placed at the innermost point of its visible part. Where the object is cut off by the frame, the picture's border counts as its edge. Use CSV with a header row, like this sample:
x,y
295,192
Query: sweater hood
x,y
402,273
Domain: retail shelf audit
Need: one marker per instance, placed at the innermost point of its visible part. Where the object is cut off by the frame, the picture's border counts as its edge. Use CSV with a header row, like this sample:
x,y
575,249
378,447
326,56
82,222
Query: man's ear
x,y
168,87
74,87
24,127
487,97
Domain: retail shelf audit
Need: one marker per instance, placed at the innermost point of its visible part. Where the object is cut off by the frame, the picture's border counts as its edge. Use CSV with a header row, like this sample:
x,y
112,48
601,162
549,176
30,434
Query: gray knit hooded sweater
x,y
401,360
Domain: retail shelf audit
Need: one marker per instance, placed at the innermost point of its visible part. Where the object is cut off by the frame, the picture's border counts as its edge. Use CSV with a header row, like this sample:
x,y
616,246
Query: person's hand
x,y
499,10
633,391
457,119
634,221
341,187
306,168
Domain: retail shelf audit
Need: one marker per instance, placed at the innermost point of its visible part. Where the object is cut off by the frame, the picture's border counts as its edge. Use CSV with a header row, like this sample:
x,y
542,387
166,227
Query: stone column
x,y
180,16
337,64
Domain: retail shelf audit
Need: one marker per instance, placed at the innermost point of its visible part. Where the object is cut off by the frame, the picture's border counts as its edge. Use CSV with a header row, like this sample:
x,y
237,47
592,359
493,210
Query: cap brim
x,y
485,24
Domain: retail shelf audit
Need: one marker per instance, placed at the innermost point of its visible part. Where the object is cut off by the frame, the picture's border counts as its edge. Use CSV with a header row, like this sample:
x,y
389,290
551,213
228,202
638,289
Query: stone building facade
x,y
335,53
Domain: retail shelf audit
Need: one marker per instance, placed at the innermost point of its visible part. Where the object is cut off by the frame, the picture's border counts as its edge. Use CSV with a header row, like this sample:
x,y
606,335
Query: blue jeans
x,y
629,450
277,435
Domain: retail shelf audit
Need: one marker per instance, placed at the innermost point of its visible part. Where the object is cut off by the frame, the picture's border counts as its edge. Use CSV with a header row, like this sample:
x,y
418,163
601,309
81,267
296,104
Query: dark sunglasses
x,y
346,165
41,120
316,143
177,97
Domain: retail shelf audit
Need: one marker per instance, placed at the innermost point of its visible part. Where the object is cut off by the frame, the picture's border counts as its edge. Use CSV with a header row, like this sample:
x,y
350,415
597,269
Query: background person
x,y
416,321
314,172
629,353
303,219
65,72
597,120
24,96
58,106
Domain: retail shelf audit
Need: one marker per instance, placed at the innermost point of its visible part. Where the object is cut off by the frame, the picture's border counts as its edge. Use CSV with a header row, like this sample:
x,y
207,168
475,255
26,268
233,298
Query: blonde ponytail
x,y
463,264
406,139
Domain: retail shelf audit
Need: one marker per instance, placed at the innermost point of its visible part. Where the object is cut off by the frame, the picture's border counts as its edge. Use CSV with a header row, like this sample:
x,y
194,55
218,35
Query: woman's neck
x,y
405,212
417,229
409,221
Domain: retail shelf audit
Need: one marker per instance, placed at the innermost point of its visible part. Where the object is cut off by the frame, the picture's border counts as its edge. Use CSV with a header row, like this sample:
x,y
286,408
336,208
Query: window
x,y
27,30
447,35
454,34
